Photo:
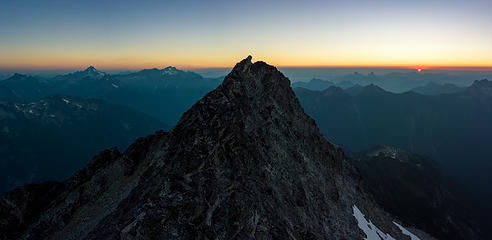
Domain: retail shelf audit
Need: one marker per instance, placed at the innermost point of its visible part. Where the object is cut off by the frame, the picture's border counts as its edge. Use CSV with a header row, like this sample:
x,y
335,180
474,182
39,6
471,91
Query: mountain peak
x,y
248,87
257,76
482,83
372,88
333,90
20,75
243,64
482,87
90,69
170,71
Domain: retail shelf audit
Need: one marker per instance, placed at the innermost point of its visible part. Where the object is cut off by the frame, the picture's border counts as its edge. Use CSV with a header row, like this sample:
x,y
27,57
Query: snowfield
x,y
406,232
374,233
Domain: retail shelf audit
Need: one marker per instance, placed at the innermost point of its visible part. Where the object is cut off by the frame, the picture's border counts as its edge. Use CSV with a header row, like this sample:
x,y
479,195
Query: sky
x,y
217,33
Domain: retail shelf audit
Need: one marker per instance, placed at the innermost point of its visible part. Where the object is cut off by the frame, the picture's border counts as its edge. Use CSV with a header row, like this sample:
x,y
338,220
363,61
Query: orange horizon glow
x,y
195,67
219,63
322,34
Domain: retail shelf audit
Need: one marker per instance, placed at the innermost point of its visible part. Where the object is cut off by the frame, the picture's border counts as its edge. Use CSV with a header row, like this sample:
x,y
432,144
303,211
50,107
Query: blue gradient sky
x,y
216,33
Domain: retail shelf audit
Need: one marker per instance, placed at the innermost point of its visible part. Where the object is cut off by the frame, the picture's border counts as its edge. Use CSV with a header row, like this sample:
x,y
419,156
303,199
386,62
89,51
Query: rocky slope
x,y
413,188
244,162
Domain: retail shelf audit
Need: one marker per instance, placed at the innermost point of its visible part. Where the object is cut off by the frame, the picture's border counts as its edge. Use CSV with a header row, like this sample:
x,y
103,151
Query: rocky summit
x,y
245,162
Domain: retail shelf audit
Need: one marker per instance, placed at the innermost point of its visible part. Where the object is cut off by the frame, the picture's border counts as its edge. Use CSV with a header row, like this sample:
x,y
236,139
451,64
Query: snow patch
x,y
406,232
371,231
169,71
92,71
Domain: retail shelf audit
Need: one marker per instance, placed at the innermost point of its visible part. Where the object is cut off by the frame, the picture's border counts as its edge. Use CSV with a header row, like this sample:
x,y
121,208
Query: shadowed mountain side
x,y
50,139
413,188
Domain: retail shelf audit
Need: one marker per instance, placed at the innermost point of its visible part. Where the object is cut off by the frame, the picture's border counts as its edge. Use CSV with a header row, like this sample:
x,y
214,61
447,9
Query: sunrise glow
x,y
215,34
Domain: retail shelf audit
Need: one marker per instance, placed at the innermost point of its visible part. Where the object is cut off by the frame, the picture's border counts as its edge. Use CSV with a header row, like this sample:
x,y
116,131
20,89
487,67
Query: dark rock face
x,y
244,162
413,188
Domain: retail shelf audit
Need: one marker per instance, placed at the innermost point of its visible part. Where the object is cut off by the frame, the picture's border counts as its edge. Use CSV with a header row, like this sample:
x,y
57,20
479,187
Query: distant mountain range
x,y
320,84
162,93
51,138
430,88
432,125
313,84
84,127
436,89
396,82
